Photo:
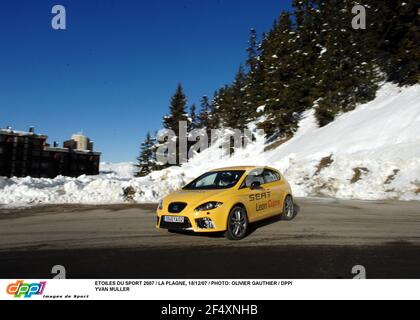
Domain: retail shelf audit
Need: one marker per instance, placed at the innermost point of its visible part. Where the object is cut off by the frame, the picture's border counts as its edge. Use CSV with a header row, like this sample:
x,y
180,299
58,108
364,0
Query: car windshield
x,y
216,180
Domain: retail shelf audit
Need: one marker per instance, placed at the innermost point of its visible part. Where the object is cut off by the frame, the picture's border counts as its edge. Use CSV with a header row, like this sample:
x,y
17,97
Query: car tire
x,y
289,212
237,224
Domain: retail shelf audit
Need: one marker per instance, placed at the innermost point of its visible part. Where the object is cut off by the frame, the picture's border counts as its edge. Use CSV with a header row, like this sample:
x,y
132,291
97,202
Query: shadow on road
x,y
277,219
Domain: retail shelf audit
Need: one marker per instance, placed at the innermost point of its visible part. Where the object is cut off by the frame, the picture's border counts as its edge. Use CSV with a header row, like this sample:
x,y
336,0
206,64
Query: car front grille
x,y
177,207
176,226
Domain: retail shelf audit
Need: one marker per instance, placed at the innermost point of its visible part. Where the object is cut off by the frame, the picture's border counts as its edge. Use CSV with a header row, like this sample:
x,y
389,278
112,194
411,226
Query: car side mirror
x,y
255,185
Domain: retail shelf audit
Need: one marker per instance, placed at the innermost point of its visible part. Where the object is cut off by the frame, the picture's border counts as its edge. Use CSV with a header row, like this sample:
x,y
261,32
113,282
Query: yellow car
x,y
227,200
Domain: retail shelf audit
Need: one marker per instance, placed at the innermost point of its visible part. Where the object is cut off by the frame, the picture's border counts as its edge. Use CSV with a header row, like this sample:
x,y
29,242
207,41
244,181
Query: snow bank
x,y
370,153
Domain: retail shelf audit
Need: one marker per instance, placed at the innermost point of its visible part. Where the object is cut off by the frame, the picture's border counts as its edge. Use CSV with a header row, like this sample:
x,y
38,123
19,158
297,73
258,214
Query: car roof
x,y
242,168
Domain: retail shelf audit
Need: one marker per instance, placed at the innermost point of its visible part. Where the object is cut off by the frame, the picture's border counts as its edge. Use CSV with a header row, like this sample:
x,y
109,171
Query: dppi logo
x,y
27,290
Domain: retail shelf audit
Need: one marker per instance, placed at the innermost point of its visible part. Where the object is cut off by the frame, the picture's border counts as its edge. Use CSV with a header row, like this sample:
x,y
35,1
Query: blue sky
x,y
113,71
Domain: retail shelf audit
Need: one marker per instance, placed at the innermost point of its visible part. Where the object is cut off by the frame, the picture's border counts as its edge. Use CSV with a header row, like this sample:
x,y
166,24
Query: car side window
x,y
255,176
271,176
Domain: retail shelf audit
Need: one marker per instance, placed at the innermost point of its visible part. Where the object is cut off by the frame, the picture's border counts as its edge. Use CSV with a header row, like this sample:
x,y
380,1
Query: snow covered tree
x,y
214,120
255,77
398,37
330,64
193,119
307,27
347,65
280,84
146,161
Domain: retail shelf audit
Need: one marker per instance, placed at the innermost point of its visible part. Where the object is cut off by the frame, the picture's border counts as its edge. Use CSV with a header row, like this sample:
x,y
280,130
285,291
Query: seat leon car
x,y
227,200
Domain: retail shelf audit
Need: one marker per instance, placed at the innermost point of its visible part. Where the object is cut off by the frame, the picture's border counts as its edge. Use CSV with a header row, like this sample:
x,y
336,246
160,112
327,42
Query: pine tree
x,y
347,66
223,105
214,119
234,111
362,63
278,57
204,116
241,110
193,119
408,53
398,26
329,65
146,161
255,78
177,112
253,51
307,28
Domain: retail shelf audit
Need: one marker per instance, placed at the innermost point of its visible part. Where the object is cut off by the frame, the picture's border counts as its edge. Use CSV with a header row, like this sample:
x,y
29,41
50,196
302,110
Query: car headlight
x,y
209,206
160,206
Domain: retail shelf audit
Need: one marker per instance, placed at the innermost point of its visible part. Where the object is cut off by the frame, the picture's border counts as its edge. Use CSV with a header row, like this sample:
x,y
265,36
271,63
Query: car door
x,y
274,183
256,201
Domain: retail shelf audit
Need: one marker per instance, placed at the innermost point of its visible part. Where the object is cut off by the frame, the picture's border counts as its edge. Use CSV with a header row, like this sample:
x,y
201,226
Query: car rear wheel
x,y
288,209
237,224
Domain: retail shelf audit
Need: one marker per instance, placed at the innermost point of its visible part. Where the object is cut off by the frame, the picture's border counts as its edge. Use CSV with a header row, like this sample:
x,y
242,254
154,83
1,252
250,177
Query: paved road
x,y
326,239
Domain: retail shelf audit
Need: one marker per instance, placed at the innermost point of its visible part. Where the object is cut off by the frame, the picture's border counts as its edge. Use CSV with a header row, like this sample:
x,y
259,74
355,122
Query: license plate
x,y
174,219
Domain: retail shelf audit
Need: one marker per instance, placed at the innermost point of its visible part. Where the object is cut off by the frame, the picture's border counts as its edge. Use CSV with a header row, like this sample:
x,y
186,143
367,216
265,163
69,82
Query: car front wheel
x,y
237,226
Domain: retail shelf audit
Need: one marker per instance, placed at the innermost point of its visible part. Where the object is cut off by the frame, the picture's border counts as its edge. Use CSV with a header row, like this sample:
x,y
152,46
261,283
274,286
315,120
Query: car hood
x,y
194,197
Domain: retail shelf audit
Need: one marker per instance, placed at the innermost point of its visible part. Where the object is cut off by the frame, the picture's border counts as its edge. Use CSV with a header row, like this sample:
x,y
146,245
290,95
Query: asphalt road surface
x,y
326,240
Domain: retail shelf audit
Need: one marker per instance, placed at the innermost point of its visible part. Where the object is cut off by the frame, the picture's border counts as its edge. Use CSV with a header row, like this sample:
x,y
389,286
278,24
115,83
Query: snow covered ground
x,y
370,153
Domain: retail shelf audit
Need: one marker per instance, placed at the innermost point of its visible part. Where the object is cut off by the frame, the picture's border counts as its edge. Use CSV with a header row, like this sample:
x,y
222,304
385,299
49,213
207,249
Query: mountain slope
x,y
389,123
371,153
